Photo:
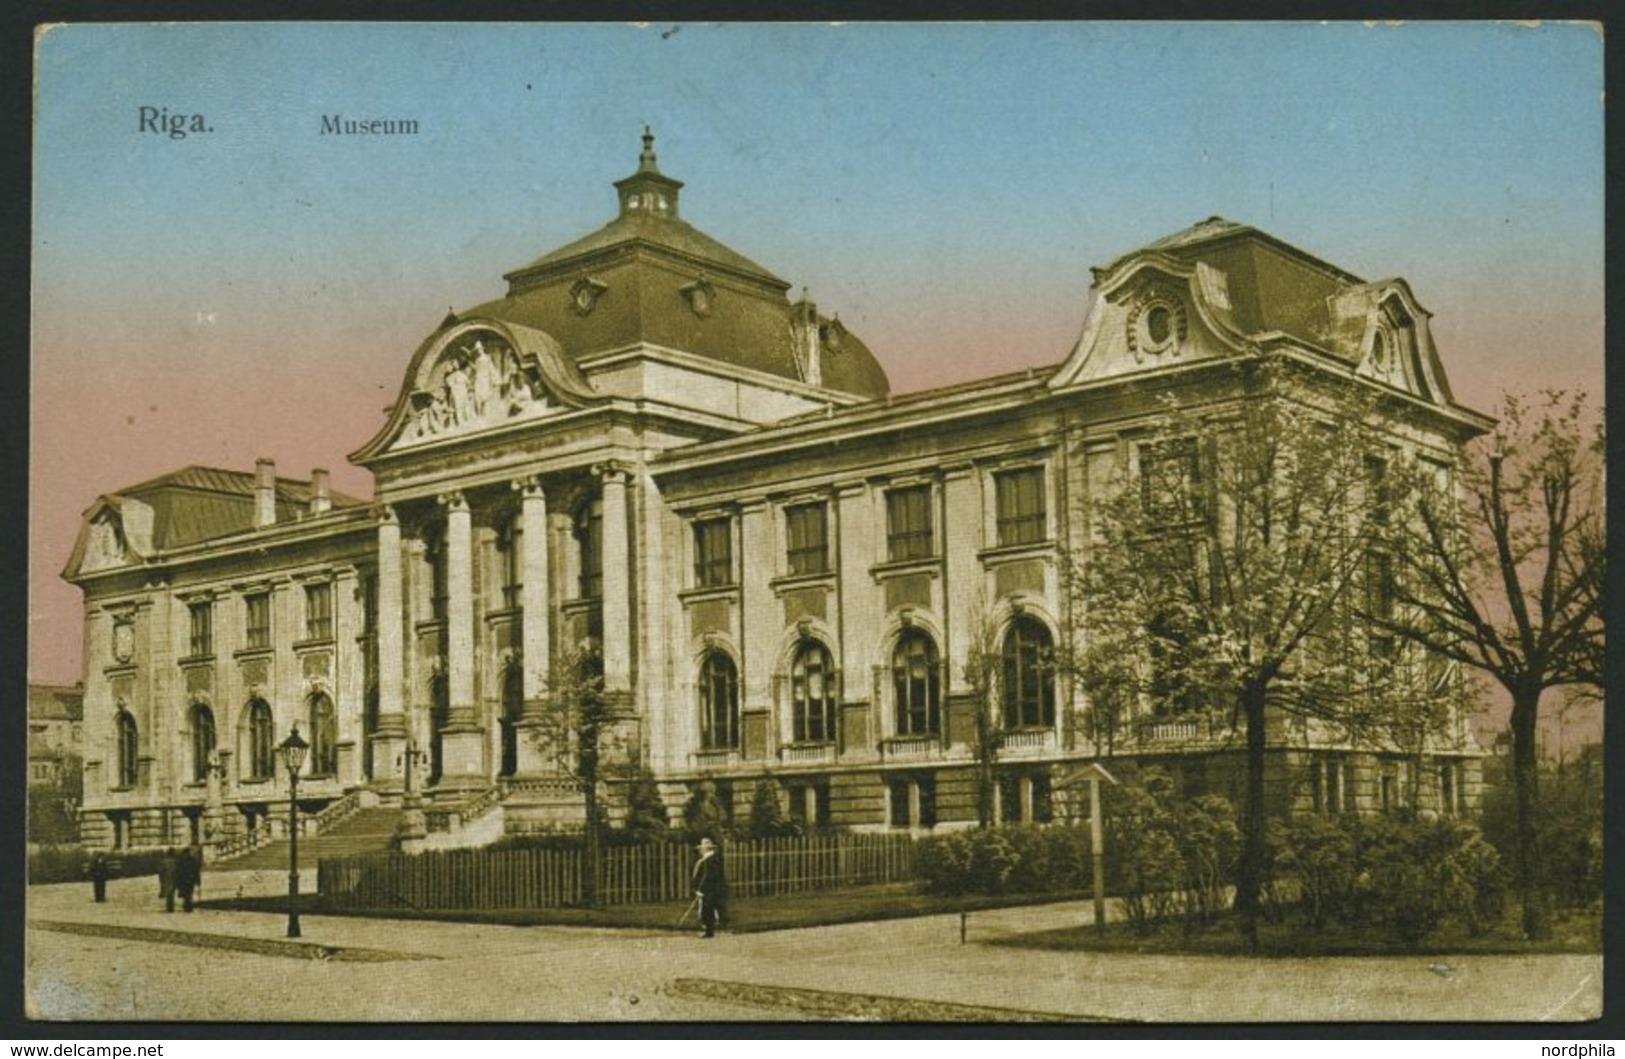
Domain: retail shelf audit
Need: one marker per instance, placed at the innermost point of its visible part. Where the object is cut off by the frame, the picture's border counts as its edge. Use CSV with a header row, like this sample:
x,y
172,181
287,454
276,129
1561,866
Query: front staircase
x,y
363,831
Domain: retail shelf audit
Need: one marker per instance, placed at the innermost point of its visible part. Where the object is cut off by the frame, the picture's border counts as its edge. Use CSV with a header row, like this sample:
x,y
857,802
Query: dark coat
x,y
709,878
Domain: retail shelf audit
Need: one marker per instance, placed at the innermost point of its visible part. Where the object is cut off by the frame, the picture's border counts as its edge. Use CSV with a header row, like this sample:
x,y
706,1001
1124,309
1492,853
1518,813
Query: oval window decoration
x,y
1159,326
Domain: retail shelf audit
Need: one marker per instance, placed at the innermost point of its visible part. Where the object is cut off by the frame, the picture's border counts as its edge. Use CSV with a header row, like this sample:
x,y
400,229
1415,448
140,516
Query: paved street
x,y
448,971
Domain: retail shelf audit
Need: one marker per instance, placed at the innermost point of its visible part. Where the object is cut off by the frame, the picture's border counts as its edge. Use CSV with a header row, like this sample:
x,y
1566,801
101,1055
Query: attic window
x,y
1379,350
1159,325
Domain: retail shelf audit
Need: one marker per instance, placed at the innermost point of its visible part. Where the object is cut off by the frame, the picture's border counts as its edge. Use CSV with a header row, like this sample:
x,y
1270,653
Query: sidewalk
x,y
594,973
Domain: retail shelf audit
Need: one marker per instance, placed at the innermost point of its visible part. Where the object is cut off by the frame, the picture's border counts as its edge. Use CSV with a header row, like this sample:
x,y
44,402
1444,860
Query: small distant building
x,y
56,731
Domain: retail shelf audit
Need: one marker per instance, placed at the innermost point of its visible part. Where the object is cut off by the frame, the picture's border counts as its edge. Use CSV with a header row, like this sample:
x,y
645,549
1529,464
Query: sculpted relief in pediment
x,y
477,381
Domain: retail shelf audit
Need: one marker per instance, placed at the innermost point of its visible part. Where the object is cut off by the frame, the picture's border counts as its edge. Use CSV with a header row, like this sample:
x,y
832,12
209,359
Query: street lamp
x,y
293,756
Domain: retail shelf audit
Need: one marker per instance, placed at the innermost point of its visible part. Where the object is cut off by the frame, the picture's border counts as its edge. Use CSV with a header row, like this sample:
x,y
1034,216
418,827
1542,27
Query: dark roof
x,y
1272,285
670,234
56,702
201,503
647,262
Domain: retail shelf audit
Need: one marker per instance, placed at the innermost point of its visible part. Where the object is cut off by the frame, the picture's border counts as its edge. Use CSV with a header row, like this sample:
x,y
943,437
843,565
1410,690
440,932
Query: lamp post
x,y
293,756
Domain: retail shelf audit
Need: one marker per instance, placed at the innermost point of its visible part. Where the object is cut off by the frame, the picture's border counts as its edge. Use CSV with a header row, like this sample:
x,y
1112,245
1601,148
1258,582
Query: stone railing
x,y
480,804
548,786
1021,739
1176,730
908,747
335,813
807,753
237,845
715,759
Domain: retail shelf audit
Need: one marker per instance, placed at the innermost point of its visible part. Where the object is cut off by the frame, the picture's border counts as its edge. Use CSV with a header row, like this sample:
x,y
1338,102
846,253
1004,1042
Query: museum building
x,y
648,452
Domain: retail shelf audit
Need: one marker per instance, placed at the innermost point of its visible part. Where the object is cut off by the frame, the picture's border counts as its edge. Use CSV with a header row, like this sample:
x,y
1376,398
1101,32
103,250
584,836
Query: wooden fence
x,y
547,878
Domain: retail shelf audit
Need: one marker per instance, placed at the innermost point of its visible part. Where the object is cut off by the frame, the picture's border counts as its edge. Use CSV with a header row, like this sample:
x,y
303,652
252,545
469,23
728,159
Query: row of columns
x,y
462,734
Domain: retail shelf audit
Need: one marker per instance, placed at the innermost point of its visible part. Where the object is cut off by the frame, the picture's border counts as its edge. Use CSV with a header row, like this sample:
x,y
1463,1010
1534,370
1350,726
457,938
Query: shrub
x,y
1016,859
646,819
702,813
1398,874
767,819
71,863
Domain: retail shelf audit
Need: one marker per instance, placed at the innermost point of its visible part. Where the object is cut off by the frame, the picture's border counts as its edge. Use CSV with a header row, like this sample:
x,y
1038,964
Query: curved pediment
x,y
114,532
1152,312
476,375
1383,330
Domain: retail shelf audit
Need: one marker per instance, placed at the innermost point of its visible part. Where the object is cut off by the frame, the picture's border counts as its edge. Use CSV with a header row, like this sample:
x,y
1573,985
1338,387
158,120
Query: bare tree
x,y
1219,576
574,723
1504,573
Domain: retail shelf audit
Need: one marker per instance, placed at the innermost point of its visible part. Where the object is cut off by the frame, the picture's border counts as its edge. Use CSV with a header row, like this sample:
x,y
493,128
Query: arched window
x,y
261,741
719,703
1028,689
128,750
202,742
812,694
324,737
916,684
513,699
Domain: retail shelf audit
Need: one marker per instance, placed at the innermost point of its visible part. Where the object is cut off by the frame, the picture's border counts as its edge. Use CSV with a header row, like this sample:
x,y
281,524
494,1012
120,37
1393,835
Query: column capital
x,y
453,501
387,516
528,486
612,470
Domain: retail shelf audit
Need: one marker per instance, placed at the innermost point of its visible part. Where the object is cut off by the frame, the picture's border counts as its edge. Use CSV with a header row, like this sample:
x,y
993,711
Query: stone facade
x,y
647,450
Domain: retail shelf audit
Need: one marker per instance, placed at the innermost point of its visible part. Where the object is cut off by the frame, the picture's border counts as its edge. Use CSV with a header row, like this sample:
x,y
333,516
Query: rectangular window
x,y
809,804
508,554
1171,480
908,523
1379,604
1021,509
806,529
257,620
319,611
912,801
713,553
1376,489
202,640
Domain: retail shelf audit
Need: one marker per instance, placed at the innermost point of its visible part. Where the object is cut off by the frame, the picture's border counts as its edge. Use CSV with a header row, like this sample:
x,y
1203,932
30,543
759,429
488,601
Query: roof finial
x,y
646,160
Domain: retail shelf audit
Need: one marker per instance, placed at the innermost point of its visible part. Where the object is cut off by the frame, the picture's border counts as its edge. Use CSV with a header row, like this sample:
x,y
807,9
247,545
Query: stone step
x,y
368,831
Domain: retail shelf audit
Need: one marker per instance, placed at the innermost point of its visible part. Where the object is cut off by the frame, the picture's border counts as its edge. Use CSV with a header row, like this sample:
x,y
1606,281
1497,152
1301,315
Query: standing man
x,y
167,869
98,876
186,876
710,887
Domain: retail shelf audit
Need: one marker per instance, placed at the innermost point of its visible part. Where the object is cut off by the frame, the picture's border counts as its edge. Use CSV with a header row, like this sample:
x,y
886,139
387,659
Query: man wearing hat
x,y
710,887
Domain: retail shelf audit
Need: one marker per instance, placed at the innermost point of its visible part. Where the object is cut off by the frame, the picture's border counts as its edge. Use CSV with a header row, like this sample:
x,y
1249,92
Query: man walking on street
x,y
167,869
98,876
710,887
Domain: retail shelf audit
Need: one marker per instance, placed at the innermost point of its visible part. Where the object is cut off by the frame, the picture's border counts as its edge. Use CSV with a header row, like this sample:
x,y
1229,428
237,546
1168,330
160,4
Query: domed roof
x,y
649,277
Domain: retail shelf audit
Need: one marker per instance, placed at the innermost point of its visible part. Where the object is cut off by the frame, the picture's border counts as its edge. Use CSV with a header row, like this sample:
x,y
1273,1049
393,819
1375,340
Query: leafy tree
x,y
646,818
703,815
982,673
573,724
1505,572
767,818
1219,577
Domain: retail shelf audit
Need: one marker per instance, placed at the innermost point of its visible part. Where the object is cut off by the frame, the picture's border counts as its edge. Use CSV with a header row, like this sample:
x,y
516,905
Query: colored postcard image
x,y
916,522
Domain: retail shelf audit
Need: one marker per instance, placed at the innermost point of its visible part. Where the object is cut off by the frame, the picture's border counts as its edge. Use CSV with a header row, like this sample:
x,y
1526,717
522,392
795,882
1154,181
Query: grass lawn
x,y
745,915
1576,932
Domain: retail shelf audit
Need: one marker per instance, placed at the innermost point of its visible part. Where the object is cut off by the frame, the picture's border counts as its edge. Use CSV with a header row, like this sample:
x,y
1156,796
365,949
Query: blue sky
x,y
259,289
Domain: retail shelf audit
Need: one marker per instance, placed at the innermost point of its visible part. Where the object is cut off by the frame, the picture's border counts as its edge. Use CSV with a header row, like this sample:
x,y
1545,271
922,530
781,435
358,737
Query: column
x,y
461,739
534,598
390,739
535,638
617,598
